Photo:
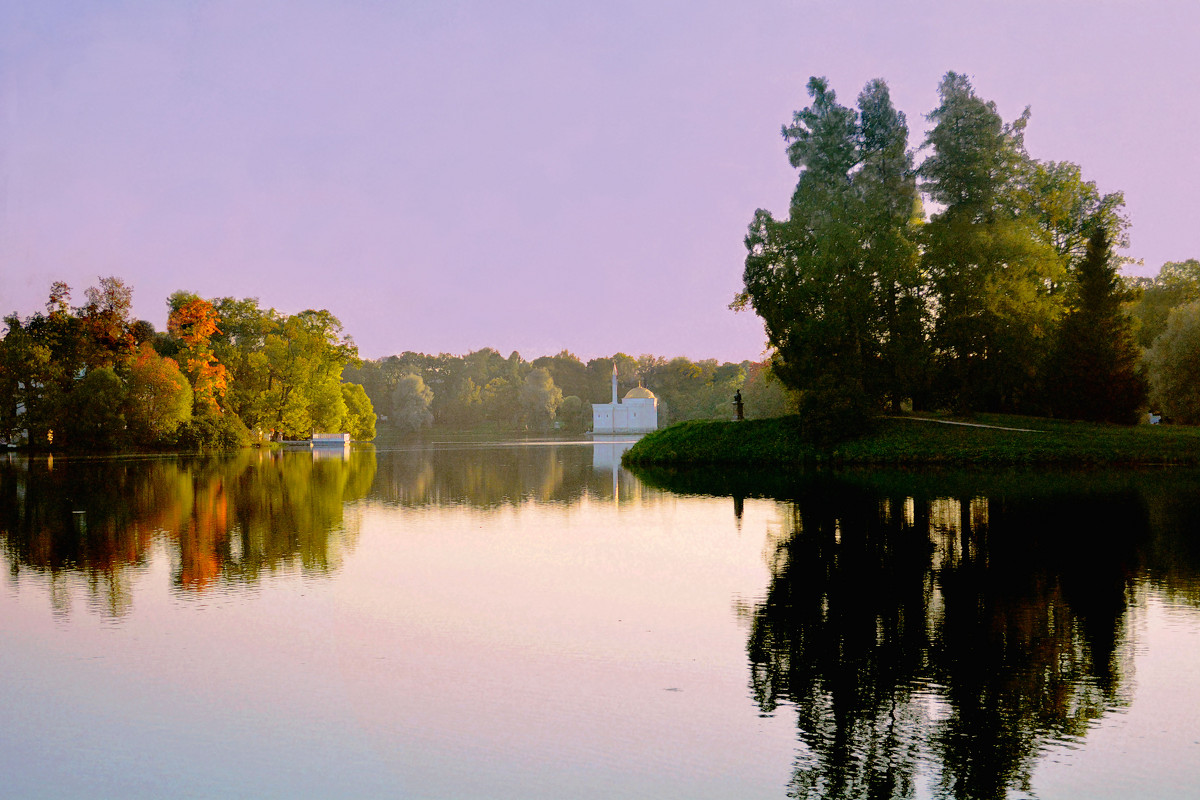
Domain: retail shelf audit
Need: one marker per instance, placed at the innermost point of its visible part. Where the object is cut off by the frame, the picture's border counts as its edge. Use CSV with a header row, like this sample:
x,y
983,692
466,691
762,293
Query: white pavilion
x,y
636,413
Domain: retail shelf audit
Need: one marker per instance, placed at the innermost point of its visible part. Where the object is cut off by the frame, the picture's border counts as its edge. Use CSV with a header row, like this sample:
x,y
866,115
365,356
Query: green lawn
x,y
917,440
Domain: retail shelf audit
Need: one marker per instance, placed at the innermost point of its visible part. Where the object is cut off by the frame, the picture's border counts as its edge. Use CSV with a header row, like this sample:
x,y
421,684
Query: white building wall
x,y
635,415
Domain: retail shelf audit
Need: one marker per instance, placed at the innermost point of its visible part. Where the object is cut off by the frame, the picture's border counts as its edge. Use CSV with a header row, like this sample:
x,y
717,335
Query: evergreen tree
x,y
1092,373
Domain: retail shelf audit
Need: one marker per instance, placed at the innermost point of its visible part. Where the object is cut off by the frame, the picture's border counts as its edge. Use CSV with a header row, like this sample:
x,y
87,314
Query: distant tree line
x,y
484,390
223,373
1006,298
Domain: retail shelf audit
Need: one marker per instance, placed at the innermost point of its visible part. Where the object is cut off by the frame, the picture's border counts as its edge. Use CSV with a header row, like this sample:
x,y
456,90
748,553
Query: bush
x,y
834,411
209,432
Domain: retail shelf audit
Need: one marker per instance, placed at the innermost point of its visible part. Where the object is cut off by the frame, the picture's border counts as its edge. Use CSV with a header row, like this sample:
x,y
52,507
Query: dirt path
x,y
968,424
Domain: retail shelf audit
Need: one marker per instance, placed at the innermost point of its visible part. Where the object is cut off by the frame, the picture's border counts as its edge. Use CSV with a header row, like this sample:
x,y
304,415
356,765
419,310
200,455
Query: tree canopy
x,y
868,305
225,370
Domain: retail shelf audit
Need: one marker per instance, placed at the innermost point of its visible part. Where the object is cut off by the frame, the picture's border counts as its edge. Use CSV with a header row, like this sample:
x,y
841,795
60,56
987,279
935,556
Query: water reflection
x,y
499,475
232,519
225,519
935,636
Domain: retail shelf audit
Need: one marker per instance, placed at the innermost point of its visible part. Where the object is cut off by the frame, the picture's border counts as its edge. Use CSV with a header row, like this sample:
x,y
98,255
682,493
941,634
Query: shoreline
x,y
980,440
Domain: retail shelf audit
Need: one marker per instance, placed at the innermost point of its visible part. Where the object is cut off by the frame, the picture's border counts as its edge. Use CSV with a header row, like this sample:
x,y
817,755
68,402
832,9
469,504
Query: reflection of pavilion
x,y
606,457
331,453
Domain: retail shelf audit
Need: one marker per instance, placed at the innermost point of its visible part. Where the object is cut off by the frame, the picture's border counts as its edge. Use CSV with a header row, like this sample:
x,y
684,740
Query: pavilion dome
x,y
639,393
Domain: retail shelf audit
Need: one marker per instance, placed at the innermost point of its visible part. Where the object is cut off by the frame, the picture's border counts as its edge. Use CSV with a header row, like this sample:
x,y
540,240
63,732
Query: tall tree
x,y
105,317
306,353
837,282
992,276
1093,372
892,216
193,323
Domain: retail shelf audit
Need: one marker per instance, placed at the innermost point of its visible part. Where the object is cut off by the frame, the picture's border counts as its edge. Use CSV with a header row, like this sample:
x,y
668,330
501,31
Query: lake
x,y
531,620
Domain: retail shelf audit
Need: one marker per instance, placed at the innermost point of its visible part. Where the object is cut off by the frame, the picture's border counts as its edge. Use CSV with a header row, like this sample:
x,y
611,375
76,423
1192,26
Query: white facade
x,y
637,413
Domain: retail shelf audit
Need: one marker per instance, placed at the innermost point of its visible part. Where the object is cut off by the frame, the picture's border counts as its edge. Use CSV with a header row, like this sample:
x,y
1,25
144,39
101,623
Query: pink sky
x,y
446,176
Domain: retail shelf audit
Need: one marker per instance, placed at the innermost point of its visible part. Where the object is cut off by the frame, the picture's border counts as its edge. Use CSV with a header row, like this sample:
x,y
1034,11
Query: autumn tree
x,y
109,339
193,324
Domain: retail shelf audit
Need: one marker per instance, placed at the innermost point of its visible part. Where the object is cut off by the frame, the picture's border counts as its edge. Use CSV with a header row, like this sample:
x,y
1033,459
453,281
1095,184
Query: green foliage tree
x,y
360,414
1177,283
94,416
600,370
1092,373
569,373
305,354
240,345
539,399
836,283
1173,363
574,414
159,398
1067,209
992,276
410,404
891,219
42,358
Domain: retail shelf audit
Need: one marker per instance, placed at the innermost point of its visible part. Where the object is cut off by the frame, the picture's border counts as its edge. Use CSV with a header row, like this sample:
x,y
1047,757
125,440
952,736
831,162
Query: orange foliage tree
x,y
193,324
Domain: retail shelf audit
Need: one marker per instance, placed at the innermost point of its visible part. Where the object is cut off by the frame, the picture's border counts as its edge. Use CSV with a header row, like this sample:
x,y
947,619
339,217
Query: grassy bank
x,y
918,440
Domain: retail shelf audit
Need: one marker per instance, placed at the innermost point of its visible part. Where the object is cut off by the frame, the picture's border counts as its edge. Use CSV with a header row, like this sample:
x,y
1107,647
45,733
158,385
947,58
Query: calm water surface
x,y
529,620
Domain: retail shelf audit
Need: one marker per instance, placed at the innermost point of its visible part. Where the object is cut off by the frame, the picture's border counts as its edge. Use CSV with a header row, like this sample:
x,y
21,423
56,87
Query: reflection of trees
x,y
1033,594
492,476
226,518
842,635
965,632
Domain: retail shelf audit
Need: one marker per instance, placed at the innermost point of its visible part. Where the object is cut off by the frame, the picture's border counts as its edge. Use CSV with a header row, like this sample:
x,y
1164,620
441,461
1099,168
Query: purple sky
x,y
446,176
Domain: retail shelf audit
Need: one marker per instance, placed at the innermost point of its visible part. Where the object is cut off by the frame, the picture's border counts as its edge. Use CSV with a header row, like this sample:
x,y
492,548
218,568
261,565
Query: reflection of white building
x,y
636,413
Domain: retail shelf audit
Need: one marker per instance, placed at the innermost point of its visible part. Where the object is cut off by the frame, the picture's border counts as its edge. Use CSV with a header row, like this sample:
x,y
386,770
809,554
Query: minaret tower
x,y
614,400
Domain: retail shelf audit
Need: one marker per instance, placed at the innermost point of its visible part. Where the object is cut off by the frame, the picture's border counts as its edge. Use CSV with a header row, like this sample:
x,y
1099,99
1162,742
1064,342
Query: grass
x,y
918,440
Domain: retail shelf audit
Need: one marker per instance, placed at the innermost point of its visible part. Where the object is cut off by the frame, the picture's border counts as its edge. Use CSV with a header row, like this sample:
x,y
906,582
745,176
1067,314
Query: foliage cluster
x,y
1004,299
1167,317
225,371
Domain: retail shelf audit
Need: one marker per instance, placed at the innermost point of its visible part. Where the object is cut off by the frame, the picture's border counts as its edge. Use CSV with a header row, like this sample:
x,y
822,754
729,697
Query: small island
x,y
1001,317
983,440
